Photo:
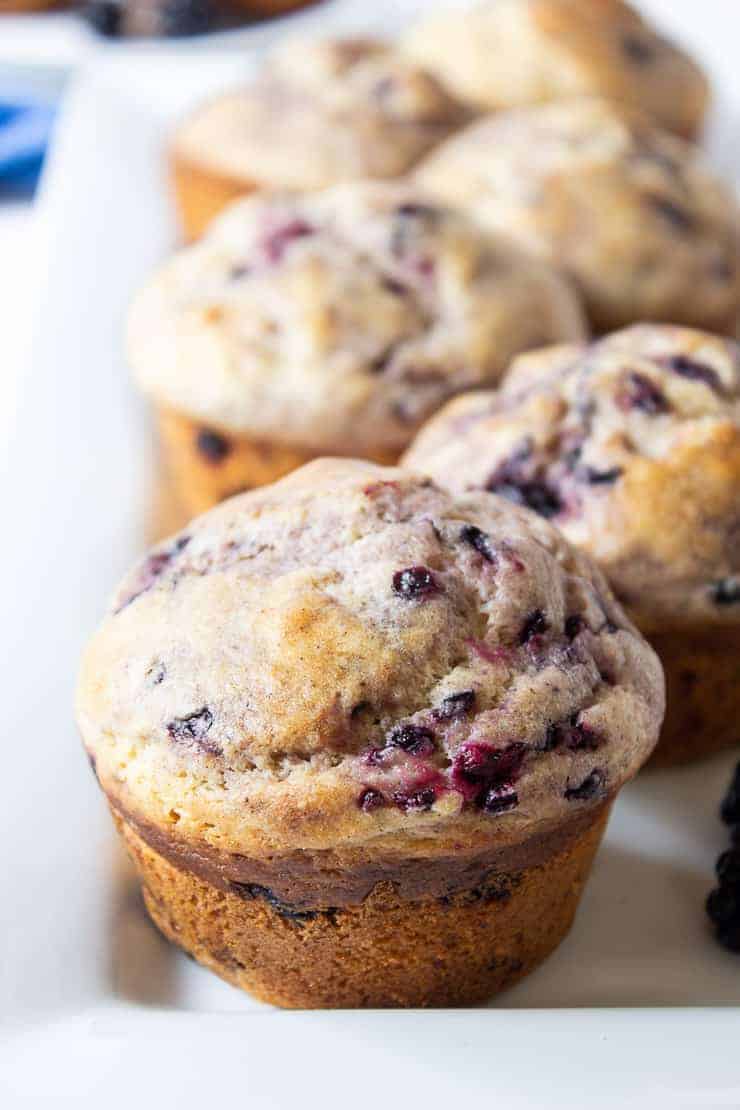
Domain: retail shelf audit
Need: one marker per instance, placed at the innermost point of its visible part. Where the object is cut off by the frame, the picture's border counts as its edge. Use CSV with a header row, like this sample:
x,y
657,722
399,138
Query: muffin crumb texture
x,y
338,322
504,53
355,660
631,446
319,113
634,215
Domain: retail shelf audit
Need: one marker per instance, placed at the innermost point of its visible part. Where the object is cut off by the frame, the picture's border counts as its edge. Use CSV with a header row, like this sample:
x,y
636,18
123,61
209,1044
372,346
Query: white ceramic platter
x,y
639,1003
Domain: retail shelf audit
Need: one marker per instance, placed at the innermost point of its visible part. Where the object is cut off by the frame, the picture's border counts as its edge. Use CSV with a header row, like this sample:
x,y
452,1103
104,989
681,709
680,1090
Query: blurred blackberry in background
x,y
104,16
723,903
185,17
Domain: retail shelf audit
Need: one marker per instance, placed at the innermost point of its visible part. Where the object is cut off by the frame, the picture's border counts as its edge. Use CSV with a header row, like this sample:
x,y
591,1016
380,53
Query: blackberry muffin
x,y
361,737
507,53
328,323
632,213
319,114
632,447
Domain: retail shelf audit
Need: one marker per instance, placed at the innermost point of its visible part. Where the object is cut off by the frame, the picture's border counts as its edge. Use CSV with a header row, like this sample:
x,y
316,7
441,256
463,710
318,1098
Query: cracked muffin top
x,y
355,658
631,445
339,321
630,212
505,53
320,113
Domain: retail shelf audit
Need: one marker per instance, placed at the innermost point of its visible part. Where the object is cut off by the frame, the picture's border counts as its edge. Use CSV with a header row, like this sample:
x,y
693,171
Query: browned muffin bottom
x,y
201,194
205,465
387,950
702,673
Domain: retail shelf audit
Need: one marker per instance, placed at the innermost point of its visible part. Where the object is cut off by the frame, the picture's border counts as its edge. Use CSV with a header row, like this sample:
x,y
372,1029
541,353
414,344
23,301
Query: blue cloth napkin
x,y
25,129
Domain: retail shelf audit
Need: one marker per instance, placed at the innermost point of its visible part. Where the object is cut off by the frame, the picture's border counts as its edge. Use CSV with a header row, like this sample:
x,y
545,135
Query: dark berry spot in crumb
x,y
673,214
292,913
638,49
276,243
414,582
239,271
728,867
596,477
591,787
382,361
730,808
639,392
723,905
499,799
194,729
455,705
414,210
534,625
414,739
726,591
479,767
479,540
574,625
212,445
156,673
422,798
370,800
572,735
694,370
359,709
391,285
538,496
150,570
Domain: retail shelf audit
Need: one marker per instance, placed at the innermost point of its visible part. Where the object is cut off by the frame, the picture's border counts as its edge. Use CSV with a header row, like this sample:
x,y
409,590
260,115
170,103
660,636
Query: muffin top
x,y
631,445
505,53
321,113
632,213
338,321
353,658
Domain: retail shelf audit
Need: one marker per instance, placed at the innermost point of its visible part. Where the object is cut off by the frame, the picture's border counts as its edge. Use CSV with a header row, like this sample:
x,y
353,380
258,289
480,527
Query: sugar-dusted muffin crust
x,y
632,213
632,447
319,113
506,53
333,322
352,689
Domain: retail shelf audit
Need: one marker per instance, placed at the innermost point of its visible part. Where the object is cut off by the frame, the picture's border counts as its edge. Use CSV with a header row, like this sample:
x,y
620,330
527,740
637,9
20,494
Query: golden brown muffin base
x,y
386,951
195,482
201,194
702,670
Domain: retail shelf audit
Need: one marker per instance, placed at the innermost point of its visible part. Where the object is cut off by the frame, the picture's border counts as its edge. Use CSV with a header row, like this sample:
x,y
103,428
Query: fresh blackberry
x,y
723,906
730,808
728,868
729,937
